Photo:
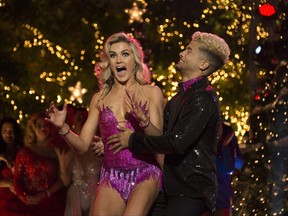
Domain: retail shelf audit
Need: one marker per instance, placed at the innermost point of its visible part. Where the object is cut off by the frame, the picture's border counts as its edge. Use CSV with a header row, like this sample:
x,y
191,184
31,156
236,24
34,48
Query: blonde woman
x,y
129,182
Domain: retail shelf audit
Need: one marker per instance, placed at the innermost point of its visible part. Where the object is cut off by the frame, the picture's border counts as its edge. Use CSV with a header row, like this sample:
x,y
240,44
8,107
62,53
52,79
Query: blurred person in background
x,y
11,140
37,181
229,159
80,173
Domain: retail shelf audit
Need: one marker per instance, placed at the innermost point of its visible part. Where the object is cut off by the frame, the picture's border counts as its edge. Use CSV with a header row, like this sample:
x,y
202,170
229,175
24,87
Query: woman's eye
x,y
112,55
125,54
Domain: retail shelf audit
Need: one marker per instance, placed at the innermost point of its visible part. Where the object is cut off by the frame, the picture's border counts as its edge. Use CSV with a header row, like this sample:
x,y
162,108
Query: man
x,y
191,131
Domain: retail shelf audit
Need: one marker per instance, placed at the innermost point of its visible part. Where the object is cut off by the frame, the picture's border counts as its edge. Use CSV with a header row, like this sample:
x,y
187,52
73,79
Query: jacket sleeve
x,y
192,121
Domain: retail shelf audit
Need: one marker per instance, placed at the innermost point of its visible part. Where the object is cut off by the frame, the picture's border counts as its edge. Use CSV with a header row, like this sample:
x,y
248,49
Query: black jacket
x,y
191,130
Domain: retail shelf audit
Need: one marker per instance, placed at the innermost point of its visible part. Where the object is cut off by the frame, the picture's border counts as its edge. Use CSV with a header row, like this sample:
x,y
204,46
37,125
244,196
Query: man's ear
x,y
204,65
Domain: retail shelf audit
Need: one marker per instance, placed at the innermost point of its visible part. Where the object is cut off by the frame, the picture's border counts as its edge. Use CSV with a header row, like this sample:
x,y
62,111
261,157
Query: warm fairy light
x,y
51,77
261,32
77,92
2,4
135,13
59,98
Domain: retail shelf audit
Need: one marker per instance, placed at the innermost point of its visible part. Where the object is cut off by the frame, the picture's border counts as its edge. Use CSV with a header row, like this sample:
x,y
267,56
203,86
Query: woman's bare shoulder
x,y
96,99
152,88
153,91
96,96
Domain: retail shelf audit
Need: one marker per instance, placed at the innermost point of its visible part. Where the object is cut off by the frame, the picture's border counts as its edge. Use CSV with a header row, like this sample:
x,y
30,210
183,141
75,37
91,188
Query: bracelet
x,y
47,192
64,133
145,124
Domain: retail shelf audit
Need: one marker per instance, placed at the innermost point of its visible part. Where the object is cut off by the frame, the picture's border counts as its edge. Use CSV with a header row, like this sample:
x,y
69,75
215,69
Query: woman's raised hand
x,y
55,116
140,110
64,158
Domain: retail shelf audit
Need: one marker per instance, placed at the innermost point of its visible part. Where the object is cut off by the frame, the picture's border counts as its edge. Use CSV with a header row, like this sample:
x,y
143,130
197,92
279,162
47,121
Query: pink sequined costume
x,y
123,171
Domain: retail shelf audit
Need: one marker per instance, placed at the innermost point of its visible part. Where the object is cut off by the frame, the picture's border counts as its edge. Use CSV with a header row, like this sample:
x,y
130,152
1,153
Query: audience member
x,y
37,183
11,140
80,173
229,158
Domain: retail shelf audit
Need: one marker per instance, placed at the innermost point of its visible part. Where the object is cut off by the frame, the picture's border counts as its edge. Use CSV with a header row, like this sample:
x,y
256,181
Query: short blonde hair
x,y
104,74
214,48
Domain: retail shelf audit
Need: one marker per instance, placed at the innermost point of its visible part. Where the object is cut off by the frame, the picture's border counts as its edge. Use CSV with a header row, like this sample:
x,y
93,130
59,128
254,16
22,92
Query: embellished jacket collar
x,y
187,84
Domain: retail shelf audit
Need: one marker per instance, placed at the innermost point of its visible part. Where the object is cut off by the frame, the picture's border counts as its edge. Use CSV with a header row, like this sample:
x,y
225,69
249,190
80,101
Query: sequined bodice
x,y
124,159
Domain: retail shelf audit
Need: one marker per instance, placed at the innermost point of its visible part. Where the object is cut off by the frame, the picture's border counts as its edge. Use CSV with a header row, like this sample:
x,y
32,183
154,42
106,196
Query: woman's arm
x,y
54,187
37,198
5,183
65,168
79,143
156,107
20,164
150,119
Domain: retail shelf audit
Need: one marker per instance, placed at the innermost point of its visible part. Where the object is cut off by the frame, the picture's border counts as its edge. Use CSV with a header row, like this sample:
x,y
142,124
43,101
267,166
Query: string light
x,y
135,13
77,92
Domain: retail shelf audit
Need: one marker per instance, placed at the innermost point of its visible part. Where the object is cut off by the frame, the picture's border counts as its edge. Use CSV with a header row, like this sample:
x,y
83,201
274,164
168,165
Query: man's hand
x,y
119,141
